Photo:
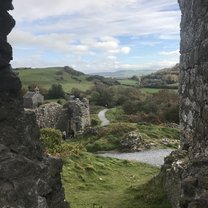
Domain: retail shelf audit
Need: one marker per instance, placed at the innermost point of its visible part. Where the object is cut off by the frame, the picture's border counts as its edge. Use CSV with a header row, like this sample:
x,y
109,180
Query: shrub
x,y
51,139
56,91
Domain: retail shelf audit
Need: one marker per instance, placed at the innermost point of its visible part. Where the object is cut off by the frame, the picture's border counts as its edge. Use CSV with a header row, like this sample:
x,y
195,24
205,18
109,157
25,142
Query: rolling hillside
x,y
45,77
164,78
124,73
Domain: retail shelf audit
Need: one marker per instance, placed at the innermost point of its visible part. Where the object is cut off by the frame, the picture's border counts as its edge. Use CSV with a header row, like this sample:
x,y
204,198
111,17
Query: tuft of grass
x,y
115,114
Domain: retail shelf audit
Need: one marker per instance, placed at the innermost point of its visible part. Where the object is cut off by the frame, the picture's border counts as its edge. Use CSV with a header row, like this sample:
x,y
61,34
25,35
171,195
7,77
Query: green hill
x,y
45,77
164,78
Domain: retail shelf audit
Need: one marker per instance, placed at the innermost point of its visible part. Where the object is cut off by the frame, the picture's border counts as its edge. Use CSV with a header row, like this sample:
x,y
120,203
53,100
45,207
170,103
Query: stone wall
x,y
28,178
73,116
79,114
186,170
48,115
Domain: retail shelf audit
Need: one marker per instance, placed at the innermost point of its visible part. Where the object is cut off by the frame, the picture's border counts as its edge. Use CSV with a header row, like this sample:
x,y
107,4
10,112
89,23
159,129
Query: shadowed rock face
x,y
28,178
6,25
186,170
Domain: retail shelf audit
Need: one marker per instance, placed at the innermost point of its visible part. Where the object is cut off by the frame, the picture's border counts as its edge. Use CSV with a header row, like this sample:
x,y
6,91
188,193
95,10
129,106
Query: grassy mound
x,y
93,181
109,138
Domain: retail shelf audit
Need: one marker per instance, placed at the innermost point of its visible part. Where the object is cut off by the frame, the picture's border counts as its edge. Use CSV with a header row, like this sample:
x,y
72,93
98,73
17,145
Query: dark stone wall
x,y
28,178
194,76
185,172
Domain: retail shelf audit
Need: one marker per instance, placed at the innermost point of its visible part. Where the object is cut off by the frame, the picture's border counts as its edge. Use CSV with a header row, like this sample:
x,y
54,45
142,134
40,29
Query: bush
x,y
172,114
56,91
51,139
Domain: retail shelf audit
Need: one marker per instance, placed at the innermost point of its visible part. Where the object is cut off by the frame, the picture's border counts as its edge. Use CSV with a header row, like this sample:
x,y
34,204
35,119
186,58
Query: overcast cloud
x,y
96,35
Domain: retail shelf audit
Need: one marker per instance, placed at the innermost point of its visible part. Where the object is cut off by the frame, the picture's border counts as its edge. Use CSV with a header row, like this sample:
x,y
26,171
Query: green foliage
x,y
51,139
165,78
77,93
172,114
102,95
157,108
115,114
129,82
56,91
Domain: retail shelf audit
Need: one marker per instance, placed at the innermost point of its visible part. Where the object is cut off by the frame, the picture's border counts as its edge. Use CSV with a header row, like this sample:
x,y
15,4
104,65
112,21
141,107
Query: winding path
x,y
152,157
102,117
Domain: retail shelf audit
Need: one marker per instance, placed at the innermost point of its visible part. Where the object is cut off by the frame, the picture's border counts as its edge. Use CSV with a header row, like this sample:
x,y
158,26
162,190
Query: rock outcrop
x,y
133,142
28,178
185,172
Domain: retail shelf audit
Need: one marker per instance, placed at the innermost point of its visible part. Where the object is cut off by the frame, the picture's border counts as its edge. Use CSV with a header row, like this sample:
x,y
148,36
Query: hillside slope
x,y
45,77
167,77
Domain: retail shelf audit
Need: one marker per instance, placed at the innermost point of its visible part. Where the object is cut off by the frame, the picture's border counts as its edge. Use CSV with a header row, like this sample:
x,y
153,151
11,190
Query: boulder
x,y
132,142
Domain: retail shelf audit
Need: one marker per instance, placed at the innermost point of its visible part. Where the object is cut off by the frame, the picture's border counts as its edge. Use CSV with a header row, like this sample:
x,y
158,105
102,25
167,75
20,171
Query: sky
x,y
96,35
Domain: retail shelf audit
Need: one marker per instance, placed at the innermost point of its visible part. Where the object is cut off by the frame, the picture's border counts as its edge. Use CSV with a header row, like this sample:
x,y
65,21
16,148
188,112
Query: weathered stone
x,y
28,178
132,142
72,118
189,178
6,25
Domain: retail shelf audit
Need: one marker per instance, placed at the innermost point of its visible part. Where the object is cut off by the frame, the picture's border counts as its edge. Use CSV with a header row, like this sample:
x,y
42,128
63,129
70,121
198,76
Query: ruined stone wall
x,y
74,115
194,76
185,172
48,115
79,114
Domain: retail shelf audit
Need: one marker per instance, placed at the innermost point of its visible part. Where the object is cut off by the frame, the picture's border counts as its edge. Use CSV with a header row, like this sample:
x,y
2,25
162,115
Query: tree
x,y
56,91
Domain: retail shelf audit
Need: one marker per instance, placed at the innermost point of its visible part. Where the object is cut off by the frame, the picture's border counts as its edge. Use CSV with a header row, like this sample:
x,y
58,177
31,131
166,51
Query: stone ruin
x,y
28,178
72,118
185,172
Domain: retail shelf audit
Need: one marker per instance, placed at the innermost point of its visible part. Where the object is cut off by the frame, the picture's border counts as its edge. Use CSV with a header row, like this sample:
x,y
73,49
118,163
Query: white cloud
x,y
112,57
125,50
78,29
170,53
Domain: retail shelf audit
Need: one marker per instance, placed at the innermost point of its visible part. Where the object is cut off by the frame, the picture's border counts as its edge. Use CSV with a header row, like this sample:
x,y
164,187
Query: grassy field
x,y
128,82
150,90
92,181
48,76
95,182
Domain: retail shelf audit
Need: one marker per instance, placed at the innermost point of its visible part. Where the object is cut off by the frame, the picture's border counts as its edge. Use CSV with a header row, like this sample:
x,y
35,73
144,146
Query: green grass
x,y
128,82
115,114
155,134
48,76
155,90
109,138
150,90
93,181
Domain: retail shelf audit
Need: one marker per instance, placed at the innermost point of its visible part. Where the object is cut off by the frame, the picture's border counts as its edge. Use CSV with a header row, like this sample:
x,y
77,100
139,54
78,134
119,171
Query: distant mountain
x,y
124,73
168,77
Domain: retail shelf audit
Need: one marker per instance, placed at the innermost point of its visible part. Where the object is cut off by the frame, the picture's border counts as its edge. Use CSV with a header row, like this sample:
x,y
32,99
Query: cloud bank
x,y
95,35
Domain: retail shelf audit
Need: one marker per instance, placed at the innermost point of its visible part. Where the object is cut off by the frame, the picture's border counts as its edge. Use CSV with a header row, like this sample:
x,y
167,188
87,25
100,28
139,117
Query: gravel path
x,y
102,117
152,157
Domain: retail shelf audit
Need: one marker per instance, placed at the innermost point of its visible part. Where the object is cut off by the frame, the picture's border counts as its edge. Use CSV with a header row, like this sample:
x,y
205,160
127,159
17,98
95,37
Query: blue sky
x,y
96,35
